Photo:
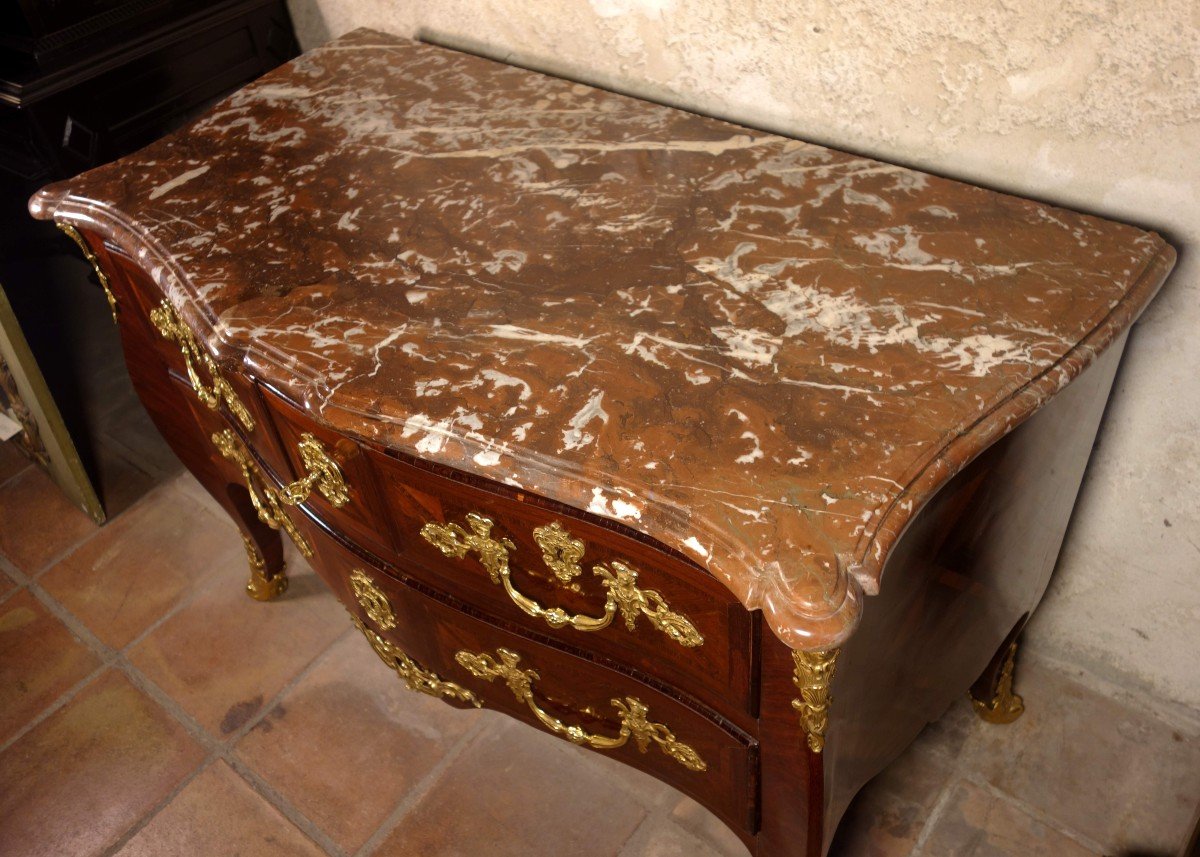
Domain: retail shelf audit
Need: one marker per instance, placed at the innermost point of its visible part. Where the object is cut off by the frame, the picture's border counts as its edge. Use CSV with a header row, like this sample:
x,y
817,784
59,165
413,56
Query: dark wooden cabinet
x,y
83,82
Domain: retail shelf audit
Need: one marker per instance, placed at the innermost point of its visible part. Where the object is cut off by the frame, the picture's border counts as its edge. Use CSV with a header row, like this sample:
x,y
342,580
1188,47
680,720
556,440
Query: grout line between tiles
x,y
1037,814
961,772
85,637
7,595
223,749
12,571
28,464
116,659
214,747
422,787
182,604
96,530
285,807
655,817
215,512
269,705
661,811
59,702
165,801
935,815
14,574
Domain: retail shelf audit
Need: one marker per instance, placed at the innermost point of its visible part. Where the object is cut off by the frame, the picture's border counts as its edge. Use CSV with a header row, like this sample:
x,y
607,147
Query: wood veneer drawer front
x,y
267,445
443,652
586,585
330,475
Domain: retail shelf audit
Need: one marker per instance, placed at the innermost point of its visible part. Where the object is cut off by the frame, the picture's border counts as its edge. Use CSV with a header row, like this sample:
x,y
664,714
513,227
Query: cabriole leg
x,y
263,584
993,694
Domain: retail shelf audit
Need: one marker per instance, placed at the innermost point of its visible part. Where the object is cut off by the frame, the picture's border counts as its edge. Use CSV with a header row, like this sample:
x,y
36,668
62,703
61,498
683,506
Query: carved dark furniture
x,y
610,416
83,82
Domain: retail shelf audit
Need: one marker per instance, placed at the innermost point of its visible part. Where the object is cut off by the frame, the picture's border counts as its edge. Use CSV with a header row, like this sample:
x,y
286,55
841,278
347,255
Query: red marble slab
x,y
761,352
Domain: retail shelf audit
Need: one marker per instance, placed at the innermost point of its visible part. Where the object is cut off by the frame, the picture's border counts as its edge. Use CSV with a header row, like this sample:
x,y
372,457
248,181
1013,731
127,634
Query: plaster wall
x,y
1091,104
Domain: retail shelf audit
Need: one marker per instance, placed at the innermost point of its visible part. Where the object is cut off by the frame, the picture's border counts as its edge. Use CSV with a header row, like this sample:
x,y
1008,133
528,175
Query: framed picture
x,y
28,413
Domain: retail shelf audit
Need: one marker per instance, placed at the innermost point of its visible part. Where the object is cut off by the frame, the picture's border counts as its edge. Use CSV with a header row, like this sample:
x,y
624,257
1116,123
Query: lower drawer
x,y
442,650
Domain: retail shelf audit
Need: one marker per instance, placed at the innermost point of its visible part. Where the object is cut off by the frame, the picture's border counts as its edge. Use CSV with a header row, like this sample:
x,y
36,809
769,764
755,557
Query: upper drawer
x,y
588,586
332,477
219,389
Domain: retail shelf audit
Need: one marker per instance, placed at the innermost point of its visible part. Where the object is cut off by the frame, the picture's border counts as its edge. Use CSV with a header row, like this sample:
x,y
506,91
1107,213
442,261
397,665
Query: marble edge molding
x,y
795,617
802,617
868,563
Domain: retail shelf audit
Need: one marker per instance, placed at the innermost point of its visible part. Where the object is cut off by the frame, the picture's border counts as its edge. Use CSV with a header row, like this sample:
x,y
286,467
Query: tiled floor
x,y
147,707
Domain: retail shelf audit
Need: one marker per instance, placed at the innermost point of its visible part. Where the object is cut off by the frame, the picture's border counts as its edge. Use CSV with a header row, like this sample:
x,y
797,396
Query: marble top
x,y
763,353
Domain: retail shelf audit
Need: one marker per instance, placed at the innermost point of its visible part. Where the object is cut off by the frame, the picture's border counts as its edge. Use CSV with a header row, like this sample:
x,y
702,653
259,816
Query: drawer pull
x,y
74,235
372,600
620,581
323,474
632,712
414,676
171,326
264,498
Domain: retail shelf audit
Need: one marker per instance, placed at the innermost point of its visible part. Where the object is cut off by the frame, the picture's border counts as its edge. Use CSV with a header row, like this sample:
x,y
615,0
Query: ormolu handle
x,y
264,498
415,677
171,326
631,712
74,235
620,581
323,474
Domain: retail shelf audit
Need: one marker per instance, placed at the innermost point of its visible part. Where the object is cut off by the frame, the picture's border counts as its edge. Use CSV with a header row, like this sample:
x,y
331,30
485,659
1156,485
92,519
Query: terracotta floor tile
x,y
689,830
218,814
12,460
662,837
349,723
513,792
77,781
7,584
920,774
976,823
879,824
1116,775
886,818
187,483
223,655
144,563
39,659
37,521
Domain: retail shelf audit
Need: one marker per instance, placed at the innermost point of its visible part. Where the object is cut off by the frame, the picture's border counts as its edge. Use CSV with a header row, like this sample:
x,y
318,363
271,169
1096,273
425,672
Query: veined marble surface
x,y
763,353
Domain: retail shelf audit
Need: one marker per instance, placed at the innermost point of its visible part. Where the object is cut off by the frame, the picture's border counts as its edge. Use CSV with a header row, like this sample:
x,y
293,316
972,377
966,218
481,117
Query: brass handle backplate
x,y
632,712
375,603
561,553
372,600
414,676
171,326
323,474
74,235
